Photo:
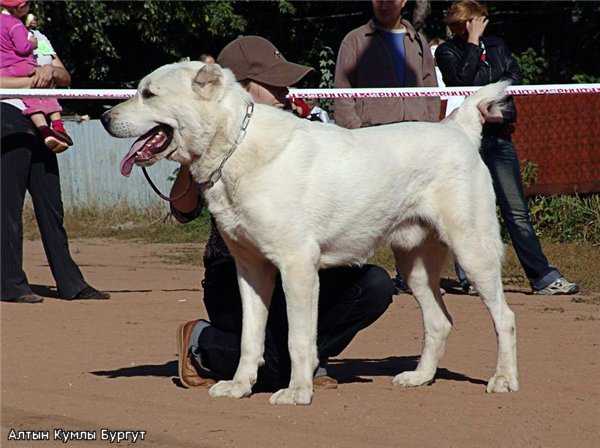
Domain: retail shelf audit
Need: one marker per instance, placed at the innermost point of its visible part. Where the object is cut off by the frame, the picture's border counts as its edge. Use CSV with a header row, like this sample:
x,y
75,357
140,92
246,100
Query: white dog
x,y
297,196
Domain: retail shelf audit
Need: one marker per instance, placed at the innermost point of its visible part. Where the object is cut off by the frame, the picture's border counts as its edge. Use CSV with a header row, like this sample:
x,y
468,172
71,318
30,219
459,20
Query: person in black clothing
x,y
469,59
350,299
28,165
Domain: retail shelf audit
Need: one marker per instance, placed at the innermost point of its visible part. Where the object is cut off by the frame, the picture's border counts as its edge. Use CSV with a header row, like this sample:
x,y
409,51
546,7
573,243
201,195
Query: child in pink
x,y
17,60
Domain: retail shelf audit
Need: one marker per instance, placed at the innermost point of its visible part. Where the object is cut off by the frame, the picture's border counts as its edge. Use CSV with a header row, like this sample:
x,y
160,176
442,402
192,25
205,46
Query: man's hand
x,y
34,41
475,28
43,77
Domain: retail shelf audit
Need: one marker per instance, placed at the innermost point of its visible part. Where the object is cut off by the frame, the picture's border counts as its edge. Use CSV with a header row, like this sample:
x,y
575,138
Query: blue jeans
x,y
499,155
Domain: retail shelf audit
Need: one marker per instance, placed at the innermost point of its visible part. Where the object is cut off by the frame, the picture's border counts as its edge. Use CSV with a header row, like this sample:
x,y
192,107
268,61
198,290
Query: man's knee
x,y
378,289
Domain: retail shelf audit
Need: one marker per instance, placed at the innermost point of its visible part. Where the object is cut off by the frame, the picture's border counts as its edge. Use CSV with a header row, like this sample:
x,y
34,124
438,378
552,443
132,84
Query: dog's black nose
x,y
105,119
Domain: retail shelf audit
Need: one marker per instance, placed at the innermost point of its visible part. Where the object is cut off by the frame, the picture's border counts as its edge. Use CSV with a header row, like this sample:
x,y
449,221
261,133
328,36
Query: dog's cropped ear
x,y
208,81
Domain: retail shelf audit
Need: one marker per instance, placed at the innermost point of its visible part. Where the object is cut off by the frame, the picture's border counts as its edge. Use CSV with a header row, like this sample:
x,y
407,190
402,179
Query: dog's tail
x,y
487,100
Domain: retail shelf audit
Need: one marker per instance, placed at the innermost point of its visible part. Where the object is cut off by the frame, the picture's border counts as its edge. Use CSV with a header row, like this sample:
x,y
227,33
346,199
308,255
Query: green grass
x,y
578,259
153,225
579,262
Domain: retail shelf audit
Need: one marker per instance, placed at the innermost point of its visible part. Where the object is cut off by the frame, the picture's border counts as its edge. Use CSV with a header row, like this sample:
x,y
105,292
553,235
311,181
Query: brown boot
x,y
188,374
325,382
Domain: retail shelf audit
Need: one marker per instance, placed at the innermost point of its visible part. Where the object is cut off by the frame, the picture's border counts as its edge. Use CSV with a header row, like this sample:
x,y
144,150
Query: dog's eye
x,y
146,93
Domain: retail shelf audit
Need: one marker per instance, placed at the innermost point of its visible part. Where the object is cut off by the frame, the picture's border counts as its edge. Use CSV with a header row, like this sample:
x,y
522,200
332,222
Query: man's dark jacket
x,y
461,65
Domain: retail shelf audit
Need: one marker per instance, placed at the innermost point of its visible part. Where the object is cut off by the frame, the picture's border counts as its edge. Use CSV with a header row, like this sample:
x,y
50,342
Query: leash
x,y
167,198
216,174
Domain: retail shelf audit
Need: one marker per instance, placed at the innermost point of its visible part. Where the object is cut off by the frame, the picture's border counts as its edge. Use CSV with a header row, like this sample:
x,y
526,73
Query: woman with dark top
x,y
470,59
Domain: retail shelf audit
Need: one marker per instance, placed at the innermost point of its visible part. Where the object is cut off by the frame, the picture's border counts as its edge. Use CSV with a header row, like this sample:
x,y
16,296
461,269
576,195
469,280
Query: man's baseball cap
x,y
11,3
255,58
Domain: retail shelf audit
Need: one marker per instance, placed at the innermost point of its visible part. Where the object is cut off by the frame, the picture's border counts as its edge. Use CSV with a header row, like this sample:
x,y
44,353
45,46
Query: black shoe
x,y
400,286
89,293
27,298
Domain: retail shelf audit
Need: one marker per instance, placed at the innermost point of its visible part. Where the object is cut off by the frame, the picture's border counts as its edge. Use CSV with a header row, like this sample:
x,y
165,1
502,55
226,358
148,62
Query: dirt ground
x,y
113,364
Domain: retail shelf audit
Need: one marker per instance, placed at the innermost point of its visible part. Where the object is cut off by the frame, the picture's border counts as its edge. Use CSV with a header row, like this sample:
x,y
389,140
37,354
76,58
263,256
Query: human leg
x,y
16,161
501,159
44,187
350,299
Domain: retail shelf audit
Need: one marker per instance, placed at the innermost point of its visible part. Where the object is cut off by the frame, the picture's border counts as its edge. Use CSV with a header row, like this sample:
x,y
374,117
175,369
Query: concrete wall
x,y
90,171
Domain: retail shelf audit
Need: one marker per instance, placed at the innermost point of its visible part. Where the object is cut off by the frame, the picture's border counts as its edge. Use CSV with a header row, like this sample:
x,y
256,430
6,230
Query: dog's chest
x,y
229,220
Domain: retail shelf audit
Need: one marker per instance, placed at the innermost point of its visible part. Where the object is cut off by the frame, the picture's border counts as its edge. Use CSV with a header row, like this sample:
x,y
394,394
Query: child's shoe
x,y
53,140
59,128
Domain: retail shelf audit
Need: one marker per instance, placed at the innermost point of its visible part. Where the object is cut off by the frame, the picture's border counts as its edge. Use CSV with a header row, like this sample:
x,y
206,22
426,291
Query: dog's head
x,y
174,113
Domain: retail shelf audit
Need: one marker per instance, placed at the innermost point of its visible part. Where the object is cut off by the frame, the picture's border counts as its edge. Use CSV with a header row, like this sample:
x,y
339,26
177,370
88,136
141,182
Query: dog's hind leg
x,y
474,237
256,281
481,260
300,282
421,267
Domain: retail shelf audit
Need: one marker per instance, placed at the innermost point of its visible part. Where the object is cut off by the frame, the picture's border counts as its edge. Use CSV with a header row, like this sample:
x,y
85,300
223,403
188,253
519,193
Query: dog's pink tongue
x,y
129,160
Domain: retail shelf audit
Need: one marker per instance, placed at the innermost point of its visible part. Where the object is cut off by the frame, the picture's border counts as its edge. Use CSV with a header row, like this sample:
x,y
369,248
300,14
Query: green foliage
x,y
327,72
567,218
529,172
102,40
584,78
533,67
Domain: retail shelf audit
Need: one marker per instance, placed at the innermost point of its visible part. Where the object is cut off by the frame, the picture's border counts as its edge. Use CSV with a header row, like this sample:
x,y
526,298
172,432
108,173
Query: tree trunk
x,y
420,13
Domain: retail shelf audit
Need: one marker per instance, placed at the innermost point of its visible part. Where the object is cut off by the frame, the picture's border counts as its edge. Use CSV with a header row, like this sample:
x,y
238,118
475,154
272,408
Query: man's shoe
x,y
560,286
188,374
89,293
27,298
325,382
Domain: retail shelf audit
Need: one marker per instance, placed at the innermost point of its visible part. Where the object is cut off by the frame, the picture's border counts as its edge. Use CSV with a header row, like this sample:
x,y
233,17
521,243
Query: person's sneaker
x,y
26,298
468,288
90,293
560,286
400,286
188,373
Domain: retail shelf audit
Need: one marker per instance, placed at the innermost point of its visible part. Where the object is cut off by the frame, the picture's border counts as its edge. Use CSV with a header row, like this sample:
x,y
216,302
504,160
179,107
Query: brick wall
x,y
561,135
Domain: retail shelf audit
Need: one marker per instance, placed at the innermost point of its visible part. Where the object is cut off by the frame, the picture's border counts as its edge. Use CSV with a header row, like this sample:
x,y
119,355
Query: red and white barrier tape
x,y
553,89
121,94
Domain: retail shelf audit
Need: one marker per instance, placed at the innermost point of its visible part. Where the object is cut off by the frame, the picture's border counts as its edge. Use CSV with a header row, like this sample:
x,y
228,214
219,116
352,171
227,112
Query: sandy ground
x,y
112,364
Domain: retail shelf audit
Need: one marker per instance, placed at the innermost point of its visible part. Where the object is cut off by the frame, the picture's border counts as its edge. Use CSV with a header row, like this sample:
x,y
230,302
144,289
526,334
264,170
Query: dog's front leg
x,y
301,287
256,282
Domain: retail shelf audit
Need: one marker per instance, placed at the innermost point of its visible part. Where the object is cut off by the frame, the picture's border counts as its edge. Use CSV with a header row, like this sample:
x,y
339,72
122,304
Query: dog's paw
x,y
233,389
502,382
412,379
292,395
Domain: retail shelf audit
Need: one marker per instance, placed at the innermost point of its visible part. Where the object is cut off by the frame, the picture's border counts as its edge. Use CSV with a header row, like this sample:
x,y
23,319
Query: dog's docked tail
x,y
486,101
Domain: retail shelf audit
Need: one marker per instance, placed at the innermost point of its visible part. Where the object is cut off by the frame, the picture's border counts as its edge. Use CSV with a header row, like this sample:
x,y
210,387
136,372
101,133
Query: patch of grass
x,y
153,225
578,261
567,218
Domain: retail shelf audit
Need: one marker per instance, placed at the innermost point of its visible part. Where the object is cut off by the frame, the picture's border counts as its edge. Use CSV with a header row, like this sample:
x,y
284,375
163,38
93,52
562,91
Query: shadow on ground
x,y
50,292
356,370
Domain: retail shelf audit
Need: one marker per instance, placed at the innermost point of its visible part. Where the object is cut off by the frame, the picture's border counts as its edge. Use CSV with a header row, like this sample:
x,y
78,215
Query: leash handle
x,y
157,191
